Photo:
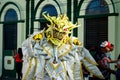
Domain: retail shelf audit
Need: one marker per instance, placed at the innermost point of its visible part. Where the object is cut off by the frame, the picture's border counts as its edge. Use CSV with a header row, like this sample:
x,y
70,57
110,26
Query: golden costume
x,y
52,54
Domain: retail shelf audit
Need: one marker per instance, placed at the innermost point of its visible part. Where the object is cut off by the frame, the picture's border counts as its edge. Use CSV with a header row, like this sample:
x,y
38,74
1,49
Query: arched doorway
x,y
49,9
9,42
96,26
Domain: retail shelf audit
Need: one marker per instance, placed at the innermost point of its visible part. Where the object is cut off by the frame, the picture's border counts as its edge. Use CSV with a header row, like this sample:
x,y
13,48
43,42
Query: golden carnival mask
x,y
58,29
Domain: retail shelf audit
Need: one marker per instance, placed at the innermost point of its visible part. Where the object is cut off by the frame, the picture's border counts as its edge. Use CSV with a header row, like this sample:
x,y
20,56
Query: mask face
x,y
59,28
58,35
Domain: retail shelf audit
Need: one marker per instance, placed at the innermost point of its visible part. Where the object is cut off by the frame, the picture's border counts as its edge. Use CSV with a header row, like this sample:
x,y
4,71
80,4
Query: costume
x,y
52,54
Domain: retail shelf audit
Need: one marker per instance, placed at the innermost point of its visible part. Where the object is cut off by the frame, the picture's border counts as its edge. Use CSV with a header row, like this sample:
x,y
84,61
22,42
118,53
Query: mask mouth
x,y
55,41
58,35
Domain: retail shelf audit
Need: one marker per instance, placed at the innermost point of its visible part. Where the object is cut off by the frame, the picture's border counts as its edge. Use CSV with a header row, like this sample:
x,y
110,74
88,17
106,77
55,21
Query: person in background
x,y
93,50
108,55
103,59
18,63
118,68
118,56
118,71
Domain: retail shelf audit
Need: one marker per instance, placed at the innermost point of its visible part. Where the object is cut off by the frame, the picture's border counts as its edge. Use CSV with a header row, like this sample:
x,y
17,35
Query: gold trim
x,y
28,70
99,76
47,51
55,66
64,70
73,68
65,53
89,60
48,73
35,67
43,75
81,72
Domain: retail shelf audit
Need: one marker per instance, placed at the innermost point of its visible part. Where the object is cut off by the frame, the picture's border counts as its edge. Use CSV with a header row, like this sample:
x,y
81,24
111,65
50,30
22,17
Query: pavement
x,y
7,78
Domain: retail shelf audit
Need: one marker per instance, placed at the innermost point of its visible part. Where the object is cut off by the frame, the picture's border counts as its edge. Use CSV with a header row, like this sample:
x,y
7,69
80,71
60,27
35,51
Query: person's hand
x,y
111,71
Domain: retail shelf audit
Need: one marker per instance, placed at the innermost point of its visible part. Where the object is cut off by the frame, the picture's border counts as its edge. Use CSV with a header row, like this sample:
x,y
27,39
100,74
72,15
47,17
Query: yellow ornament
x,y
76,41
38,36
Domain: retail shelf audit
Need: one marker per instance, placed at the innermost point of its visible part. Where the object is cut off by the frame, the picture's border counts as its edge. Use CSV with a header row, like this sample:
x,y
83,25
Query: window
x,y
10,30
96,28
49,9
97,7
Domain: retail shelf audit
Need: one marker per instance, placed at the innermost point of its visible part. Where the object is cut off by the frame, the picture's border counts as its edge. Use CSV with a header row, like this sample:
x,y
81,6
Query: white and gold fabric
x,y
49,56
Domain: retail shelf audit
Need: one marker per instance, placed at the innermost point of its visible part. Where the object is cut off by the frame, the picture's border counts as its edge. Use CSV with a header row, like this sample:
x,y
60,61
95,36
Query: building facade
x,y
99,21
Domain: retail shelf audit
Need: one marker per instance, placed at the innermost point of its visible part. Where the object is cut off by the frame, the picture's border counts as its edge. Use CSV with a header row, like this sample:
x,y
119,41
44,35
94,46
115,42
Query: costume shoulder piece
x,y
75,41
88,61
38,35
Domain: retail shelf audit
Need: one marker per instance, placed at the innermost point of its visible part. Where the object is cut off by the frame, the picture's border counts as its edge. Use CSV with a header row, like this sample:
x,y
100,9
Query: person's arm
x,y
103,66
118,57
13,53
111,61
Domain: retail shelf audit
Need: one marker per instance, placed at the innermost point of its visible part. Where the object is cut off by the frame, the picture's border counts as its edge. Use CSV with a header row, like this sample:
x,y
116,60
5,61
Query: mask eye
x,y
55,33
58,35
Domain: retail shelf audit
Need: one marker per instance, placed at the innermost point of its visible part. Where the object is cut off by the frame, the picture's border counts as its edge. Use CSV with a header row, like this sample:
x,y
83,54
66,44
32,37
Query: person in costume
x,y
53,54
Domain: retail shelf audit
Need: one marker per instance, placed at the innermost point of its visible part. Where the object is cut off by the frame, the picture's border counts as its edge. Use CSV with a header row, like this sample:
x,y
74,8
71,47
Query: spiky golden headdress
x,y
60,24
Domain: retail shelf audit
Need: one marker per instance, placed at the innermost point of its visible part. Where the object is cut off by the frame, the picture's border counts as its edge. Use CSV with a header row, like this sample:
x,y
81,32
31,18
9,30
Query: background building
x,y
99,19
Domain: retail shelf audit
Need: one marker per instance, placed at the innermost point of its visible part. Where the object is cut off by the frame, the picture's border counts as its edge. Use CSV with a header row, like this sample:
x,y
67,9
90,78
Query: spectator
x,y
108,55
118,57
92,51
118,71
118,68
103,59
18,63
